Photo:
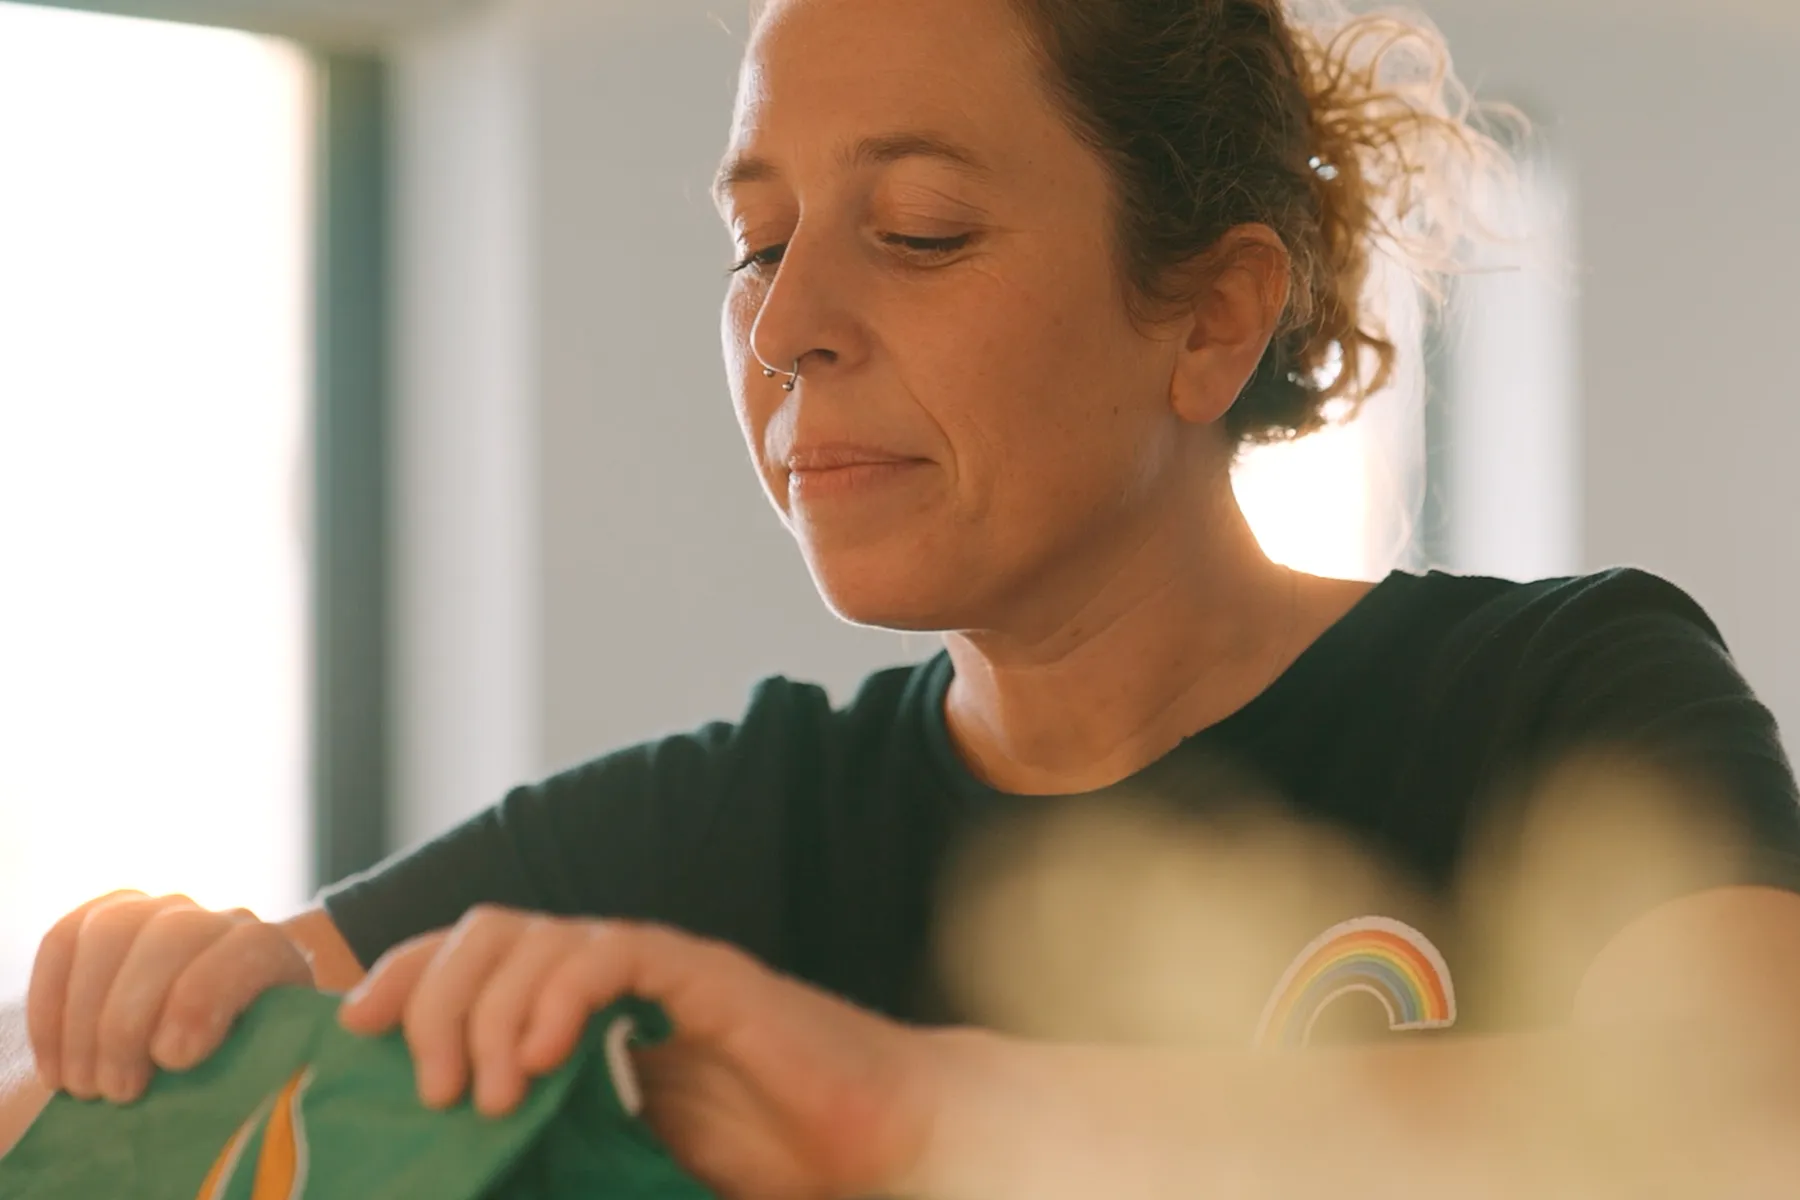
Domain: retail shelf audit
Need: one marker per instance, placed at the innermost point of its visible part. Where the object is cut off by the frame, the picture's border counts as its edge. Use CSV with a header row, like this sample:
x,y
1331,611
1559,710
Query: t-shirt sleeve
x,y
1633,670
686,830
1634,765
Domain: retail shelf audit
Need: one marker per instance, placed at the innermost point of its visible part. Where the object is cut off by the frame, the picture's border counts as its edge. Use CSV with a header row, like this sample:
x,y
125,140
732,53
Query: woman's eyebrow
x,y
866,152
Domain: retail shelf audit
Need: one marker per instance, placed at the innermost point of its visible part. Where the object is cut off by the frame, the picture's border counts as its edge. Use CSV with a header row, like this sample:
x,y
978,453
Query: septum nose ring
x,y
793,376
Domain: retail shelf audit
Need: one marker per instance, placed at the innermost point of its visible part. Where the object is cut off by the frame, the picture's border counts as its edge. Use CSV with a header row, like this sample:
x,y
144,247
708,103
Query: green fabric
x,y
364,1132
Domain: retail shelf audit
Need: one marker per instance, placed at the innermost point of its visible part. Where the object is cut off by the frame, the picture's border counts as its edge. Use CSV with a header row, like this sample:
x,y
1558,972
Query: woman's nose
x,y
807,317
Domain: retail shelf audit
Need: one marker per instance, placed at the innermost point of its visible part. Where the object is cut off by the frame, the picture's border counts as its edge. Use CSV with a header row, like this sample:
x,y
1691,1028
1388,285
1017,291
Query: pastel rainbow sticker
x,y
278,1130
1384,958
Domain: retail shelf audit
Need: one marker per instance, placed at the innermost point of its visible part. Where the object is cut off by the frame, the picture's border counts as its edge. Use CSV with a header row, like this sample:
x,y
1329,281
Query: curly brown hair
x,y
1347,135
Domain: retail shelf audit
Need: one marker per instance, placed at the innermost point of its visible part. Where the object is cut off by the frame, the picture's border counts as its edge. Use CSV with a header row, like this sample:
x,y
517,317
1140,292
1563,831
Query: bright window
x,y
1345,501
154,466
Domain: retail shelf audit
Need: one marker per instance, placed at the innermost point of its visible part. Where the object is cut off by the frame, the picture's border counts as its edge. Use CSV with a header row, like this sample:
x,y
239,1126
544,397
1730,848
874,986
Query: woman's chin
x,y
901,595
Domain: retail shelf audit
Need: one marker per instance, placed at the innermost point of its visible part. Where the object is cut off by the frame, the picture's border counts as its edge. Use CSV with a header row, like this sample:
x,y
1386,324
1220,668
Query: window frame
x,y
352,398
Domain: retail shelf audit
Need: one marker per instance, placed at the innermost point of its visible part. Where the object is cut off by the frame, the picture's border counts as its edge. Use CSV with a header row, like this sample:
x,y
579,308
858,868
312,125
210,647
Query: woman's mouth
x,y
839,470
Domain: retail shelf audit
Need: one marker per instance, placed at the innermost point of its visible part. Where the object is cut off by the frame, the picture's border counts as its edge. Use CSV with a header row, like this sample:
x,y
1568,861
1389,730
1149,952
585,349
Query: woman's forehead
x,y
843,72
945,51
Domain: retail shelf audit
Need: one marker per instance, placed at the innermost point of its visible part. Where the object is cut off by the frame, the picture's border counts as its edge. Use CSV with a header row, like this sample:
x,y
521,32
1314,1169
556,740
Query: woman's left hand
x,y
768,1088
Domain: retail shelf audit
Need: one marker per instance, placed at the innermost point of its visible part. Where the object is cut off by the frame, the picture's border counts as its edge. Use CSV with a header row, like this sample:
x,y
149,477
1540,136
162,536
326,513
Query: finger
x,y
497,1021
106,936
436,1020
619,958
378,1003
701,984
49,987
208,997
166,945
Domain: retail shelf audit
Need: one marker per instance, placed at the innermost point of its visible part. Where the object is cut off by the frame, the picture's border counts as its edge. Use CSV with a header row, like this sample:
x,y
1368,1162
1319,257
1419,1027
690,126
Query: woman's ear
x,y
1241,293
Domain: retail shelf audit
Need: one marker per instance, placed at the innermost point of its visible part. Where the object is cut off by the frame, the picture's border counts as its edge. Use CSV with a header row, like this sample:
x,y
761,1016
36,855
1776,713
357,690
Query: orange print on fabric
x,y
282,1159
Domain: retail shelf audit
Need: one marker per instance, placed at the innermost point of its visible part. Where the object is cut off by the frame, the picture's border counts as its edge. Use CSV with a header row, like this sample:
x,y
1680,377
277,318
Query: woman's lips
x,y
831,471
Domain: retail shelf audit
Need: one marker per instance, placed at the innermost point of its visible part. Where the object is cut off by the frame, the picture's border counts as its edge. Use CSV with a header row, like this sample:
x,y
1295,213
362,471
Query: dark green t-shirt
x,y
295,1108
823,839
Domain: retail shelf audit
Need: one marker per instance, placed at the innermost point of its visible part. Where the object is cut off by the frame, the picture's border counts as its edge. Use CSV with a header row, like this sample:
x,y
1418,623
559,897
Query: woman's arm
x,y
771,1087
1680,1076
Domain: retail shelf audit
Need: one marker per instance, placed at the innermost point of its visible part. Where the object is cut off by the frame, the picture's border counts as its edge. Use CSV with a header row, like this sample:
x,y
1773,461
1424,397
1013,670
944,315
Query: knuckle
x,y
492,1031
406,954
244,937
67,926
612,935
480,914
179,924
115,921
103,921
663,942
485,916
118,896
233,971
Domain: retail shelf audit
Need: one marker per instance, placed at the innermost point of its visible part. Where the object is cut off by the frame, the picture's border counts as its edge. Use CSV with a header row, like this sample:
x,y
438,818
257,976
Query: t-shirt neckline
x,y
1316,658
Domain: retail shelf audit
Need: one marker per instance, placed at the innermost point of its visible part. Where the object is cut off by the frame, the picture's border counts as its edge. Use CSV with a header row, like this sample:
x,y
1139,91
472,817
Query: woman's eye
x,y
928,247
769,257
916,247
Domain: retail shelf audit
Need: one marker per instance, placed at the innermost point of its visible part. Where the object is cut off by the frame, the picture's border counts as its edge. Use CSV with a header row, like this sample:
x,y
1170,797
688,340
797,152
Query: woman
x,y
1016,280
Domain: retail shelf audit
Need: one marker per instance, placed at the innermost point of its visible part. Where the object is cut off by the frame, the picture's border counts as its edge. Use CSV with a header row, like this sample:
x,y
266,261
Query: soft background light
x,y
153,382
1345,501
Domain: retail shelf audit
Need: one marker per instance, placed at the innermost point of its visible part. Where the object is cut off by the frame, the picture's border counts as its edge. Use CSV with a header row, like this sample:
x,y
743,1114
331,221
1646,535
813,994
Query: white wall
x,y
466,551
1511,475
586,559
1678,131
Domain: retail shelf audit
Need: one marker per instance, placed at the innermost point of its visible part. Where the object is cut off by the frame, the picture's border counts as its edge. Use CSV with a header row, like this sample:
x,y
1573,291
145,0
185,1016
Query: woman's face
x,y
977,418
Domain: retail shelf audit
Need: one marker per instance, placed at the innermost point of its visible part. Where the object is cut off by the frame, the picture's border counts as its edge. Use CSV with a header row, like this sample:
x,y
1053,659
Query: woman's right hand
x,y
128,983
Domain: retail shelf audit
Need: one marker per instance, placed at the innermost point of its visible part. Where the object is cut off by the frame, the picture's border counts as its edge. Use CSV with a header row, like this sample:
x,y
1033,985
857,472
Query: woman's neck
x,y
1172,636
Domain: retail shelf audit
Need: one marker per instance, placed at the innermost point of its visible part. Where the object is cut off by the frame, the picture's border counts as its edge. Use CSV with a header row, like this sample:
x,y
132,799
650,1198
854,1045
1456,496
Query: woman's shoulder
x,y
791,736
782,709
1445,645
1490,604
1615,656
1464,625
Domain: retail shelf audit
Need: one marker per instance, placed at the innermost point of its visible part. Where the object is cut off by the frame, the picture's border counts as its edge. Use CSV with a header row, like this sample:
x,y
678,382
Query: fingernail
x,y
434,1088
120,1085
352,1012
172,1046
78,1084
494,1094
